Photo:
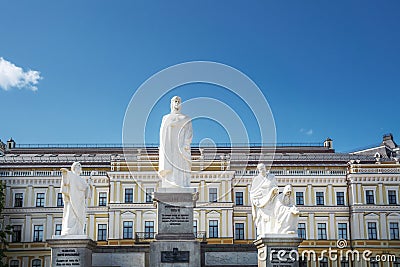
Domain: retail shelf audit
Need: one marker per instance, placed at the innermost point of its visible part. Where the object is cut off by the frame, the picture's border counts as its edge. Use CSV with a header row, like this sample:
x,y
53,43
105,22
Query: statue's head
x,y
176,104
76,168
287,191
262,169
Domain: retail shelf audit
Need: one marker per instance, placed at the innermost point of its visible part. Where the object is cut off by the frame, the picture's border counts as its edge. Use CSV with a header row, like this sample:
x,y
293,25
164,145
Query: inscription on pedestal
x,y
173,215
68,257
175,256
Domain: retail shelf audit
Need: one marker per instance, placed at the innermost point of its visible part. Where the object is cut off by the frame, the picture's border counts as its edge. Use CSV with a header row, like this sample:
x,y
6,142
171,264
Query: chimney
x,y
328,143
2,147
10,144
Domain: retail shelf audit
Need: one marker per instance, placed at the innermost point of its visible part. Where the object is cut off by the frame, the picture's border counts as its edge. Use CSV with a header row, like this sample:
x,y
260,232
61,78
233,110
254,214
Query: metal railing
x,y
200,236
144,237
155,145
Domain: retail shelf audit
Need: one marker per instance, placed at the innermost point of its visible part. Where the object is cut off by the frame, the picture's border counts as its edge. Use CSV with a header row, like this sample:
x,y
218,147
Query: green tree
x,y
5,230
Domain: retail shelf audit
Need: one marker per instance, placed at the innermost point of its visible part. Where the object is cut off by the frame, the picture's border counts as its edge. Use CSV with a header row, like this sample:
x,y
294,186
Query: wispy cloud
x,y
12,76
307,132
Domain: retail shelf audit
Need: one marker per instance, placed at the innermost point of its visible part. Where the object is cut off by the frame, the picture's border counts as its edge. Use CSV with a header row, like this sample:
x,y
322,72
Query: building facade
x,y
348,201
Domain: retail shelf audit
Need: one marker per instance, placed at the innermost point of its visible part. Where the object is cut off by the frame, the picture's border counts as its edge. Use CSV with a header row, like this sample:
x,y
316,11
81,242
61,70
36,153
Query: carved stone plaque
x,y
174,256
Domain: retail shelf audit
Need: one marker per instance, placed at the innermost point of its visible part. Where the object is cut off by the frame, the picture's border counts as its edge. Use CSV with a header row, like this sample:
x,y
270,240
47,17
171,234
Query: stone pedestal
x,y
71,252
278,250
175,243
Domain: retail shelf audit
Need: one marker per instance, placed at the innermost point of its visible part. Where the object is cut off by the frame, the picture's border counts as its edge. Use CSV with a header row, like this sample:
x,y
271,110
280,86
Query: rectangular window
x,y
323,262
369,197
148,229
40,200
102,199
212,195
128,195
344,263
340,198
213,229
17,233
58,229
149,195
102,232
342,231
299,198
18,200
36,263
60,201
373,263
392,197
322,231
37,233
320,198
195,227
394,231
239,231
301,230
14,263
128,230
239,198
372,233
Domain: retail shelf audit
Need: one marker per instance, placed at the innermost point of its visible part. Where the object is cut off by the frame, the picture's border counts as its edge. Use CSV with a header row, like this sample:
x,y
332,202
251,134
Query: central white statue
x,y
175,159
75,191
273,213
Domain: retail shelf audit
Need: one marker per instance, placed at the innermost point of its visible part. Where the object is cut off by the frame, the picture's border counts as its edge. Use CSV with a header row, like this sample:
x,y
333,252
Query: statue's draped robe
x,y
174,155
75,191
287,221
263,196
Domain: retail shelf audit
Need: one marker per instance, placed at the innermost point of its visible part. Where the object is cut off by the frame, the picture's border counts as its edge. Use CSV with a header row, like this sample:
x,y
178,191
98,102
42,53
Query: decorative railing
x,y
383,170
200,236
144,237
156,145
44,173
293,172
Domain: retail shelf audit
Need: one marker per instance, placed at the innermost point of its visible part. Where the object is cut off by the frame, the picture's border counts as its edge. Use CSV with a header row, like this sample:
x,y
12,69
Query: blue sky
x,y
327,68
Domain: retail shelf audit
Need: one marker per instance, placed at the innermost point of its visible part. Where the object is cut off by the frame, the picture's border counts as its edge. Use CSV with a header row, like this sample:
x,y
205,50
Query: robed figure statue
x,y
175,159
273,213
75,191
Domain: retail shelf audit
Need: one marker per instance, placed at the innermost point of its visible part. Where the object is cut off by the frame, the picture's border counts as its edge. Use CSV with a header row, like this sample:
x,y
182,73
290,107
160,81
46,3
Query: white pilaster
x,y
224,225
139,221
230,219
50,196
311,225
117,229
49,226
360,194
329,199
29,197
118,198
112,190
383,226
379,197
310,196
91,226
332,226
28,229
250,226
202,222
111,224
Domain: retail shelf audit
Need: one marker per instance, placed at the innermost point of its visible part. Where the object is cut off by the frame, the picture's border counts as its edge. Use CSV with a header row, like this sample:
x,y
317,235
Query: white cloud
x,y
307,132
12,76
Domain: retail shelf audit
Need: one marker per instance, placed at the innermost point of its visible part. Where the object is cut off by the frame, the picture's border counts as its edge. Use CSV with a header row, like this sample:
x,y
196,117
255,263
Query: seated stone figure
x,y
273,213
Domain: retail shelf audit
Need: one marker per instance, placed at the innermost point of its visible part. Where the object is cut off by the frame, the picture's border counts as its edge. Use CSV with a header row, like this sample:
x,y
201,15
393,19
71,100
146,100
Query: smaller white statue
x,y
75,191
273,213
